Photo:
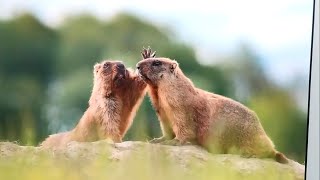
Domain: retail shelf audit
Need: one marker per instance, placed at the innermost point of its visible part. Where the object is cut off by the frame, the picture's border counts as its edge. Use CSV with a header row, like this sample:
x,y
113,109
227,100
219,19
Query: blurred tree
x,y
245,70
125,32
27,52
82,42
279,114
285,124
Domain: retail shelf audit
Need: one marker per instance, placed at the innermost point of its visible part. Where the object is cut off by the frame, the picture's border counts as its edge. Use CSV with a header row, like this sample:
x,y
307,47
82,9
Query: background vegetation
x,y
46,78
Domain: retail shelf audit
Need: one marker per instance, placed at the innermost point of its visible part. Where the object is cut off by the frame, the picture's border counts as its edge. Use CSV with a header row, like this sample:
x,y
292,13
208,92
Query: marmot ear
x,y
173,66
96,67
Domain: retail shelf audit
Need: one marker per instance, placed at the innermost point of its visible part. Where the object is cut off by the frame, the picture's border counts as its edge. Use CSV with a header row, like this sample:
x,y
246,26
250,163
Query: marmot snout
x,y
154,70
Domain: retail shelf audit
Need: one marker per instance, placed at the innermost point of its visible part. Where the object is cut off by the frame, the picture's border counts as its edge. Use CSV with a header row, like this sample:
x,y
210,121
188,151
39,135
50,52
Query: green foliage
x,y
46,78
82,44
282,121
27,54
27,48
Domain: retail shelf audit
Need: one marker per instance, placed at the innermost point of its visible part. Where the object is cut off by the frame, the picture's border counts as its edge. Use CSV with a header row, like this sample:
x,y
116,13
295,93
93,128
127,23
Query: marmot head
x,y
154,70
109,76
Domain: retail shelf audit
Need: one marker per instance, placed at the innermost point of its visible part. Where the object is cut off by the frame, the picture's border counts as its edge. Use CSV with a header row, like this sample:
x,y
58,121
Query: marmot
x,y
116,95
191,115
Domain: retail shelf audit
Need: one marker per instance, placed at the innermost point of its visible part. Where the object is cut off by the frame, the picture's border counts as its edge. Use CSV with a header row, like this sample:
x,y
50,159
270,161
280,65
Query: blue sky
x,y
278,31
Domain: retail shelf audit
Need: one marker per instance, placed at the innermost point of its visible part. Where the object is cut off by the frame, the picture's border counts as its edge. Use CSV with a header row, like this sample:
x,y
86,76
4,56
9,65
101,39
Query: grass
x,y
140,164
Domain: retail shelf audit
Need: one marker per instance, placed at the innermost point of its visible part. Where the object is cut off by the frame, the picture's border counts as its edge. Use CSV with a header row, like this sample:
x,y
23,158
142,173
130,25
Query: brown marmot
x,y
116,95
191,115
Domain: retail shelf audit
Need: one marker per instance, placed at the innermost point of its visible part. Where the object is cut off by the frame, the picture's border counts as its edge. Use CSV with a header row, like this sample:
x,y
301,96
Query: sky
x,y
278,31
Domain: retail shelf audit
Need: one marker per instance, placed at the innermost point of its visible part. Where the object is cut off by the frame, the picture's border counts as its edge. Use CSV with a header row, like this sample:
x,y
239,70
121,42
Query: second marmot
x,y
116,95
191,115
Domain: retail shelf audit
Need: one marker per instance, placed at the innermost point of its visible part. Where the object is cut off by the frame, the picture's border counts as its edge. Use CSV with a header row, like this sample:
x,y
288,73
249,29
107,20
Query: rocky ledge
x,y
135,160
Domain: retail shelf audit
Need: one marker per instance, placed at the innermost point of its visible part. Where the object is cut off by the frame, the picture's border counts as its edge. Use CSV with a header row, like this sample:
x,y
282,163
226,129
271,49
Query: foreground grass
x,y
141,163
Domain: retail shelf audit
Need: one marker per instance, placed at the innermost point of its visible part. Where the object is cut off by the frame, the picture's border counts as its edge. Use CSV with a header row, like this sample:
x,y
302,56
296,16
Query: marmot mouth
x,y
144,77
121,75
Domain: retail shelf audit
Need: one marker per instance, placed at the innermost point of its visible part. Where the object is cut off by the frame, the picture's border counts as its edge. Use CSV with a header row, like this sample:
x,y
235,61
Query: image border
x,y
312,155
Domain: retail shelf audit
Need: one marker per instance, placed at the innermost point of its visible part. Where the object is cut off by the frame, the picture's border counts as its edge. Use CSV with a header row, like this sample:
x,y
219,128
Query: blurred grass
x,y
142,165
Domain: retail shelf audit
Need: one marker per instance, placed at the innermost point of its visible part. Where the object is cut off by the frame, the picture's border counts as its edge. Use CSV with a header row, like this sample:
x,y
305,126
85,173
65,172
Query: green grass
x,y
141,164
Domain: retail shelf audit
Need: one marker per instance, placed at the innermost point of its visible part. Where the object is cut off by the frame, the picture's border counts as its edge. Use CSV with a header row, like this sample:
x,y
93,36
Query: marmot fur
x,y
117,93
191,115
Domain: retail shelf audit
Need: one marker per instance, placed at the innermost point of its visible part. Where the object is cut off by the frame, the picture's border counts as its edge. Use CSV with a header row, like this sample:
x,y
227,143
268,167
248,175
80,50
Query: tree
x,y
27,53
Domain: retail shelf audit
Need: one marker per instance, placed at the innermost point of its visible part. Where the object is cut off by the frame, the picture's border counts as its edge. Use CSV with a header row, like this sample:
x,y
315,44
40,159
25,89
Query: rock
x,y
137,160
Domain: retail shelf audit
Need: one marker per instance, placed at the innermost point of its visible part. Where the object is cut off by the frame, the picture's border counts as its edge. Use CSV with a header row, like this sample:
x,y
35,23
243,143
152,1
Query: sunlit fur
x,y
116,95
191,115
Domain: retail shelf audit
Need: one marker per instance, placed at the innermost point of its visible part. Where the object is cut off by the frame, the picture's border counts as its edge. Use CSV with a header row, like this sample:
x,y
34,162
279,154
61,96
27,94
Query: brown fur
x,y
190,115
116,95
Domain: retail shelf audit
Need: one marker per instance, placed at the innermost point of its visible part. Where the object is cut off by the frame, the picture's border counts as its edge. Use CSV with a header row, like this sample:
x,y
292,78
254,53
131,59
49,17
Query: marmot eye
x,y
156,63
